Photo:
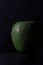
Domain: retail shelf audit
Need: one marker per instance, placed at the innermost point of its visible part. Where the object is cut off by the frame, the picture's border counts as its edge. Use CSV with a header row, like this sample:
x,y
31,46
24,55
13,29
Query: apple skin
x,y
20,35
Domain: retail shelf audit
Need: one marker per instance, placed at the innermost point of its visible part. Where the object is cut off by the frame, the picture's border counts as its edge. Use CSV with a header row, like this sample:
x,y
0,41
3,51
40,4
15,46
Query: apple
x,y
20,35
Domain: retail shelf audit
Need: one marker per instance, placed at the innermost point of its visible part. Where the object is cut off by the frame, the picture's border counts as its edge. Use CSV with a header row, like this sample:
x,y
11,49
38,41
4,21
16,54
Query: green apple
x,y
20,35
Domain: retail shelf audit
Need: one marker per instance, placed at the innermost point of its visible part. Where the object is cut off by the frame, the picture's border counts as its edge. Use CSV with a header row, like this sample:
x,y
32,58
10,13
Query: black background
x,y
10,12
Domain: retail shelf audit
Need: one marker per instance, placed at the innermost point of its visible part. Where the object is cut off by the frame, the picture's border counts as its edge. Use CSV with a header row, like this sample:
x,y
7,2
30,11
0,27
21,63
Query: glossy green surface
x,y
20,35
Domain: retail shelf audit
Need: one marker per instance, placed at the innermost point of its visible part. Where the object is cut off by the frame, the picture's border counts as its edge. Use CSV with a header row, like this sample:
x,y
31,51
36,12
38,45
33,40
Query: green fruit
x,y
20,35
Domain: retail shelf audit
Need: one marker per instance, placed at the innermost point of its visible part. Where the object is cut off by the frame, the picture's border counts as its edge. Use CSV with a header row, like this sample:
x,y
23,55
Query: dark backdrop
x,y
10,12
